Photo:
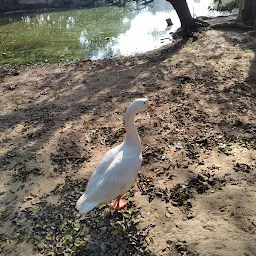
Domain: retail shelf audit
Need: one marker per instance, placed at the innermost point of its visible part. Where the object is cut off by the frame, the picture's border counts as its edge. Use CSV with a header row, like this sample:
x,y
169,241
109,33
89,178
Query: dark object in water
x,y
169,22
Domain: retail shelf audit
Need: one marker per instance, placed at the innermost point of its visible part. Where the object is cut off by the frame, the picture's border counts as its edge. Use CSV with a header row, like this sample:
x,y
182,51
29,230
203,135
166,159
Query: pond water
x,y
95,33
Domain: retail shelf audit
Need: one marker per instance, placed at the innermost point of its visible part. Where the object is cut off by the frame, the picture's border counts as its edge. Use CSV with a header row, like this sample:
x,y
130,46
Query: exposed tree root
x,y
196,25
232,25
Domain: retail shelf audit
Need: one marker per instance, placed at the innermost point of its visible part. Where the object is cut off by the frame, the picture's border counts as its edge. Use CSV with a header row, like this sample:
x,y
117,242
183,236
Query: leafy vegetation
x,y
228,7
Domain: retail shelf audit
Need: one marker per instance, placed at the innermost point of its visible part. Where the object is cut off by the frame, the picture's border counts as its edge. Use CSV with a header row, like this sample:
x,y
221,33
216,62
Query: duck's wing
x,y
102,167
117,180
83,205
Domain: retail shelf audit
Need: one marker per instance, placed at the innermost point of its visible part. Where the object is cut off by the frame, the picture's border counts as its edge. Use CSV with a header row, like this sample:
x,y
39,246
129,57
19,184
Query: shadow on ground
x,y
55,121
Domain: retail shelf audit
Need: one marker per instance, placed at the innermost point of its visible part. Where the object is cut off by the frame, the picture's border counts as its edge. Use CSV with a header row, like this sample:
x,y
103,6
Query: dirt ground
x,y
196,191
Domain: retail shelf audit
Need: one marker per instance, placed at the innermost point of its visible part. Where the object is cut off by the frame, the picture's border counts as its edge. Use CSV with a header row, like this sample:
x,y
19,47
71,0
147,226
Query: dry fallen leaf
x,y
147,239
168,215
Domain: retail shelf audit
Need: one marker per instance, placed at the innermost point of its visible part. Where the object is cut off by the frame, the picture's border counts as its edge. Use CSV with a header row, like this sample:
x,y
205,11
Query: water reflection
x,y
26,19
148,29
101,32
142,36
83,40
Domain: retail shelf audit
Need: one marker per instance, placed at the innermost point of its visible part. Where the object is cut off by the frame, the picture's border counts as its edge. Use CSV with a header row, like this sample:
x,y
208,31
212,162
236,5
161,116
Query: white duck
x,y
117,170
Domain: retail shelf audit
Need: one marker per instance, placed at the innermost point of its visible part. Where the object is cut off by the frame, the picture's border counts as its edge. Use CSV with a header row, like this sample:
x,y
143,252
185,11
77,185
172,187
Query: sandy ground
x,y
196,191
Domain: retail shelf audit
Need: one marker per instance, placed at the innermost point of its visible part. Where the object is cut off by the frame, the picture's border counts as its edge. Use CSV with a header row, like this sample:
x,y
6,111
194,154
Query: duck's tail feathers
x,y
84,206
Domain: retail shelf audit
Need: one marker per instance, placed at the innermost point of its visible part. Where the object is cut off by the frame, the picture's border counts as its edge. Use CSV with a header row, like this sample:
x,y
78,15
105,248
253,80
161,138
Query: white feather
x,y
117,170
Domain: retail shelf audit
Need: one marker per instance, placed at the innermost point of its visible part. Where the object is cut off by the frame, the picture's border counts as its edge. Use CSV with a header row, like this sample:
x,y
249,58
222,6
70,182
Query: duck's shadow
x,y
113,233
61,229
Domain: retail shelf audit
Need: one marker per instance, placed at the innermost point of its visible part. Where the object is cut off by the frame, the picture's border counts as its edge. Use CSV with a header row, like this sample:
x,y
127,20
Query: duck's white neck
x,y
132,136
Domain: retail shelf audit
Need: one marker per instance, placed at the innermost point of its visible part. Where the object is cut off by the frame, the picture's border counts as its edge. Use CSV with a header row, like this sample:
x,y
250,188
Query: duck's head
x,y
140,105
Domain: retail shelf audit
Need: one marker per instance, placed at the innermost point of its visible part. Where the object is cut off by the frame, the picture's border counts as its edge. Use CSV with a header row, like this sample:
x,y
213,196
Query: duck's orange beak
x,y
150,107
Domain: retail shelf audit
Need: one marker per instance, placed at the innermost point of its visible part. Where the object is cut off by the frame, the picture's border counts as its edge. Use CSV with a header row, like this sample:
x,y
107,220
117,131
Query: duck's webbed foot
x,y
119,203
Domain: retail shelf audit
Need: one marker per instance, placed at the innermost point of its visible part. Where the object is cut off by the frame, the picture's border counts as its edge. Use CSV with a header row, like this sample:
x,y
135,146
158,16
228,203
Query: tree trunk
x,y
247,12
186,20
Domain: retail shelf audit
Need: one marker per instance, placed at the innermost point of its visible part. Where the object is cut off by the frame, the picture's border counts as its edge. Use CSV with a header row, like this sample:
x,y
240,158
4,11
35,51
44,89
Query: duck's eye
x,y
144,102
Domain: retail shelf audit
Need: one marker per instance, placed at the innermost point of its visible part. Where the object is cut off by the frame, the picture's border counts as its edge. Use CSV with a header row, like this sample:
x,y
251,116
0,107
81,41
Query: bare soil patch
x,y
196,191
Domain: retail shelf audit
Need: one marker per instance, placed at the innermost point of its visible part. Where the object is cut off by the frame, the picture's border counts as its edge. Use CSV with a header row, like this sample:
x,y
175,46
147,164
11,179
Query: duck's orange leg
x,y
119,203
